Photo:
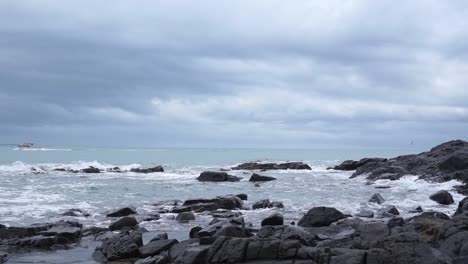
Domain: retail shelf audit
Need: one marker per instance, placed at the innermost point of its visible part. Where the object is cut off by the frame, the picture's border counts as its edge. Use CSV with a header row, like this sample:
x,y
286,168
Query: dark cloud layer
x,y
246,74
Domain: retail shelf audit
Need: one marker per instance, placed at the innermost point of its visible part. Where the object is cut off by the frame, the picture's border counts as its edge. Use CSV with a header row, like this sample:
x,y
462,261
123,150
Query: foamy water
x,y
31,191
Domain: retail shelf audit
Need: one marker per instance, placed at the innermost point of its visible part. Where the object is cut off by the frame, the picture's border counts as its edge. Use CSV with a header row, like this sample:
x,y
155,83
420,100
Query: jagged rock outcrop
x,y
444,162
256,177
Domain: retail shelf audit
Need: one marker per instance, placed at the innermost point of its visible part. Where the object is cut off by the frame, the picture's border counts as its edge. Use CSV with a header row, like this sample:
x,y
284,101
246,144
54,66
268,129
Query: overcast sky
x,y
234,73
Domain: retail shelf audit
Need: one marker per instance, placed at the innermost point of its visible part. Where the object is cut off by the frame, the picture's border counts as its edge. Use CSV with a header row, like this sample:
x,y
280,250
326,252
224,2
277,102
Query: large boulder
x,y
320,216
442,197
120,246
185,217
349,165
256,177
90,169
220,202
216,176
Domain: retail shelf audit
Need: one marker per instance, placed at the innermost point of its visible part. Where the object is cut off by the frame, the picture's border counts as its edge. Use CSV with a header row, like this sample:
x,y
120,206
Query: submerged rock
x,y
215,176
147,170
185,217
90,169
377,198
120,246
266,203
256,177
442,197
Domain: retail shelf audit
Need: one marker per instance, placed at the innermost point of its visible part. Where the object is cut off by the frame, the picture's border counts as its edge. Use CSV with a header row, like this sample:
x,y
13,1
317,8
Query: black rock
x,y
147,170
377,198
194,230
76,213
126,221
348,165
262,204
3,257
2,226
159,259
120,246
395,221
462,206
90,169
320,216
442,197
155,247
221,202
272,166
274,219
416,210
442,163
256,177
185,217
215,176
242,196
389,211
432,214
122,212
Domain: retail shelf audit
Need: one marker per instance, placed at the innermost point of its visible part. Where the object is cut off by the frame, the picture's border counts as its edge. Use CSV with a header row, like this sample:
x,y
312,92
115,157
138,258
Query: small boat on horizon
x,y
26,145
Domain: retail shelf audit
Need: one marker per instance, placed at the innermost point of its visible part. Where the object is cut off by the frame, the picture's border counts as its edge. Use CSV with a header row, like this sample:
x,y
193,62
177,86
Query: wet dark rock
x,y
155,247
416,210
320,216
221,202
432,214
3,257
395,221
194,230
76,213
365,214
162,236
377,198
159,259
120,246
266,203
442,163
232,231
122,212
256,177
273,219
257,185
90,169
185,217
225,214
126,221
148,217
94,230
148,170
442,197
2,226
388,211
215,176
462,206
242,196
348,165
272,166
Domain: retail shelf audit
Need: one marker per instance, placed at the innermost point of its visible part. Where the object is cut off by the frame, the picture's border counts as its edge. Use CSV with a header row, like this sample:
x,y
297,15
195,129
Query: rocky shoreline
x,y
322,235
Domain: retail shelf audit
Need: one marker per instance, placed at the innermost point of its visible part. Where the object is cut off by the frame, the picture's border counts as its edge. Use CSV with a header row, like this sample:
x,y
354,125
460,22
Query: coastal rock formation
x,y
266,203
274,219
256,177
377,198
215,176
444,162
41,236
124,222
272,166
185,217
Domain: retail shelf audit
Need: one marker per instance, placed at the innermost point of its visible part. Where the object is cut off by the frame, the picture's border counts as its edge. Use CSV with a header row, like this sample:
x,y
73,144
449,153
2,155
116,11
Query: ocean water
x,y
31,192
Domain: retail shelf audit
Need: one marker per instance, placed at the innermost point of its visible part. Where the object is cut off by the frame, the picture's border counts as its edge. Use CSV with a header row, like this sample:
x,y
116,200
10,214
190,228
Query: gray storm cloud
x,y
244,73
